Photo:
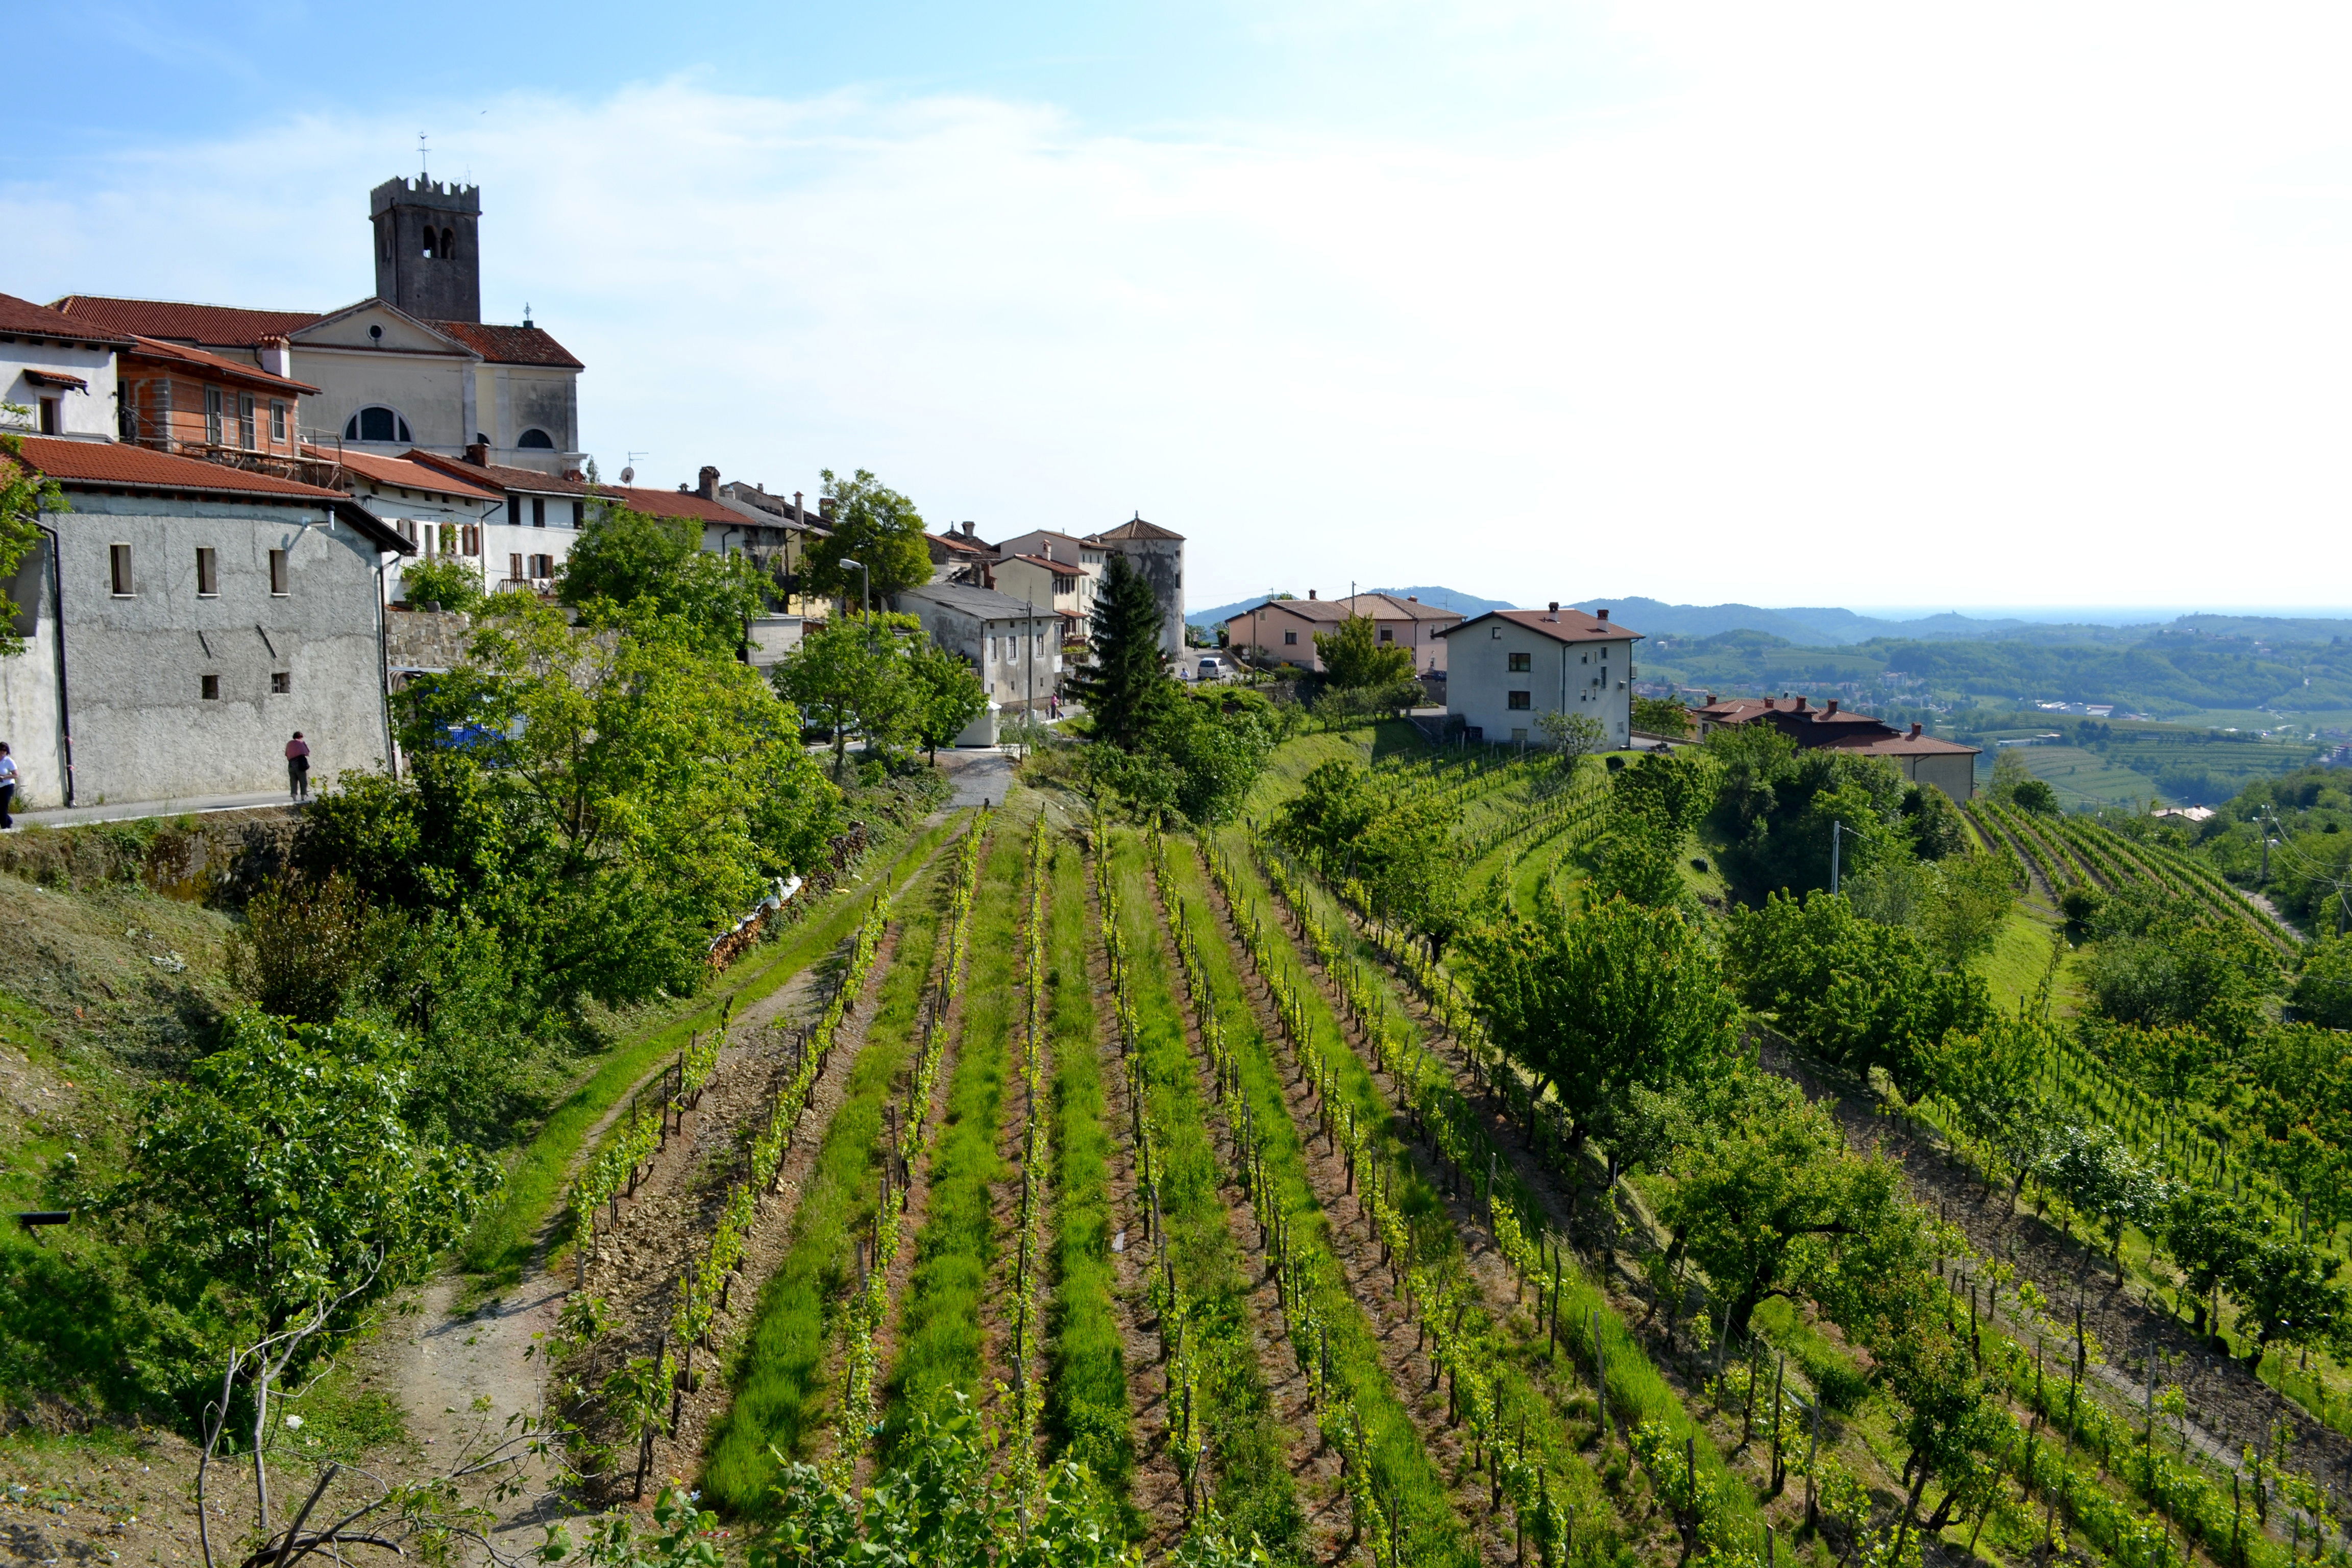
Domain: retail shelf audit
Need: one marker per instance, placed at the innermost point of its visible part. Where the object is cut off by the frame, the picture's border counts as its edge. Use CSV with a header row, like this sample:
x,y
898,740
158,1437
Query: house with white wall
x,y
61,372
1016,651
1506,669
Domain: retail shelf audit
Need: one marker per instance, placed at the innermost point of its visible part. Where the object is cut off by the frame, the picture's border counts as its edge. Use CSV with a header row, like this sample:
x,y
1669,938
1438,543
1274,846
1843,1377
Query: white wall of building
x,y
86,413
1589,676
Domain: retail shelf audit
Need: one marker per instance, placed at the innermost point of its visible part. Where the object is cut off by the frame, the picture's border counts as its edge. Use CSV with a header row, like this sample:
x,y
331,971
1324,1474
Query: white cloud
x,y
2013,306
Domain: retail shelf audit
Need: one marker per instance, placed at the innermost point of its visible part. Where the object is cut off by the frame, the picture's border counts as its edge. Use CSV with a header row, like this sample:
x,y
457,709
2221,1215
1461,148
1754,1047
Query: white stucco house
x,y
1506,668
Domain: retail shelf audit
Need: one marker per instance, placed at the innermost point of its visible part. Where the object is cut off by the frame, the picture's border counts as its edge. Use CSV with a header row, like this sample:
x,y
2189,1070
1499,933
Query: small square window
x,y
211,687
278,573
1519,734
1290,639
207,575
1522,663
280,682
119,563
1520,702
1496,632
1387,634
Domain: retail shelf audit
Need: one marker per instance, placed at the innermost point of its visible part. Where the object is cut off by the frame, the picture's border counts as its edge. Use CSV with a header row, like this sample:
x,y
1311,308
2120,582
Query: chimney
x,y
824,508
799,510
1915,731
1834,702
1710,699
1552,608
967,531
706,482
1771,703
1603,612
1310,593
478,454
278,356
1412,598
1804,704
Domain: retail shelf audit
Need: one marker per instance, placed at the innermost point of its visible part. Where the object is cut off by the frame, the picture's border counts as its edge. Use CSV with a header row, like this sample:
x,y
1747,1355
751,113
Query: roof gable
x,y
202,362
509,345
1136,528
1562,625
348,328
24,318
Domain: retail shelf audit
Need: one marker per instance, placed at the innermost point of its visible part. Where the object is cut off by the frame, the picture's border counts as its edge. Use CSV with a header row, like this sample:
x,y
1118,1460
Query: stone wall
x,y
424,639
216,859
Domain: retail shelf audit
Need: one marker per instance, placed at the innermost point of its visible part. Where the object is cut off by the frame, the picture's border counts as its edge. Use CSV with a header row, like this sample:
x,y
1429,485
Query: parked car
x,y
1212,668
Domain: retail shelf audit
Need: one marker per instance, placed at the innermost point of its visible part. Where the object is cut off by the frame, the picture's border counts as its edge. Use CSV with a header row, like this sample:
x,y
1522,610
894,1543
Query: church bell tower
x,y
427,258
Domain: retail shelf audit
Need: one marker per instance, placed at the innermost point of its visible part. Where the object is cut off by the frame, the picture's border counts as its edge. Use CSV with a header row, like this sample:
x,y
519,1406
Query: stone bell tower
x,y
427,258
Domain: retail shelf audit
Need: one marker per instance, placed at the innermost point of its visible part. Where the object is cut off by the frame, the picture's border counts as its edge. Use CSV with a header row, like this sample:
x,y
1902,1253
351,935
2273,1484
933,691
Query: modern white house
x,y
1506,668
60,371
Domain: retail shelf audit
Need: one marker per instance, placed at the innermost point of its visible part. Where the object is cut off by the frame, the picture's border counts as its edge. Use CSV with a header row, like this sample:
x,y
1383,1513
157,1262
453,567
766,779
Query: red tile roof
x,y
25,319
1897,745
198,362
674,503
109,463
499,476
402,474
57,378
227,326
509,345
1063,568
1389,607
1304,609
967,546
1563,624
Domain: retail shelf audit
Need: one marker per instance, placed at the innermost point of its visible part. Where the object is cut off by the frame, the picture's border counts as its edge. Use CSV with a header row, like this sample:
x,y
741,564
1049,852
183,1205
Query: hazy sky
x,y
1793,303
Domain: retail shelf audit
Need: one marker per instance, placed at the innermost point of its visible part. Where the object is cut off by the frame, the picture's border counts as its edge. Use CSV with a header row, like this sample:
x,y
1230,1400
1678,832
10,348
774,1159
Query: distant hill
x,y
1813,627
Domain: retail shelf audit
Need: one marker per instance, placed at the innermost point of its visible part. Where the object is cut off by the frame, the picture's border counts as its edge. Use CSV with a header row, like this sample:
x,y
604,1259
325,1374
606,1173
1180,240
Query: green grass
x,y
941,1343
2086,779
779,1370
1249,1449
503,1241
1087,1415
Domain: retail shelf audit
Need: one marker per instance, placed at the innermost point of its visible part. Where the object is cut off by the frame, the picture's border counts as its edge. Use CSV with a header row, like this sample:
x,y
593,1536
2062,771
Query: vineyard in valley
x,y
1132,1192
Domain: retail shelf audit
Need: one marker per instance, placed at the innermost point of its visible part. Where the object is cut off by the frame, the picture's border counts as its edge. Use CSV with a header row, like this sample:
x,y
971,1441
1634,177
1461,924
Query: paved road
x,y
982,775
131,810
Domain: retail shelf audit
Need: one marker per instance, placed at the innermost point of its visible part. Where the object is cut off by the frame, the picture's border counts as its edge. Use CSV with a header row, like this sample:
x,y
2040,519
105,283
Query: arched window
x,y
537,440
430,234
448,246
377,423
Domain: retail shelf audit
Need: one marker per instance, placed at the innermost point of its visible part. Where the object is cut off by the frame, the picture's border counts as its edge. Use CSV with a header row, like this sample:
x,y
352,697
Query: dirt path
x,y
1157,1491
1314,1464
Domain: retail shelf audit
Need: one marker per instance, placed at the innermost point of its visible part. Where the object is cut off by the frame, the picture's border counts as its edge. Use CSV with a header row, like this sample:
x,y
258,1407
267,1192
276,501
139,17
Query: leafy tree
x,y
2212,1237
1993,1081
2287,1289
1353,657
25,494
2036,795
1968,907
1778,809
2153,964
637,794
1332,811
2295,1117
947,692
2009,771
1662,716
2108,1185
1575,736
1122,684
855,672
1640,860
1862,994
443,580
1410,866
1935,824
1767,1202
626,563
872,524
282,1183
1669,790
1215,756
2323,983
299,946
1595,1007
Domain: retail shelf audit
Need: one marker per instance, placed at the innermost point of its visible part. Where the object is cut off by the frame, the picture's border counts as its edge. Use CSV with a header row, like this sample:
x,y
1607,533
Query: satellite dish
x,y
628,476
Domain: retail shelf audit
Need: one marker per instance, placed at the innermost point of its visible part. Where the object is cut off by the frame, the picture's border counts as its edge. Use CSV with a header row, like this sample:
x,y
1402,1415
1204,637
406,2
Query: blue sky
x,y
1815,303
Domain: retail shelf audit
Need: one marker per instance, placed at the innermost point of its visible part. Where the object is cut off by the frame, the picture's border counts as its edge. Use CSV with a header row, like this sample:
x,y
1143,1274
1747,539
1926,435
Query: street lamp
x,y
866,581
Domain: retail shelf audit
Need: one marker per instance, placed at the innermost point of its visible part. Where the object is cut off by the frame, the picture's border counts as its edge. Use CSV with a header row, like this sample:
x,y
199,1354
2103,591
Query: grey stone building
x,y
1014,650
1158,554
182,619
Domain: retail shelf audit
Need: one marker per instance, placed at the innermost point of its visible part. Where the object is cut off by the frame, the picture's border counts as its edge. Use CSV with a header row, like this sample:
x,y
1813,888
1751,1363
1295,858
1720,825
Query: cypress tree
x,y
1122,676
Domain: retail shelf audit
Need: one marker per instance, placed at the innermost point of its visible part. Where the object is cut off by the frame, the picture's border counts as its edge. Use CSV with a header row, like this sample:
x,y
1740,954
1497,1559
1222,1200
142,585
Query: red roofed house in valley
x,y
1919,757
1506,668
183,619
415,365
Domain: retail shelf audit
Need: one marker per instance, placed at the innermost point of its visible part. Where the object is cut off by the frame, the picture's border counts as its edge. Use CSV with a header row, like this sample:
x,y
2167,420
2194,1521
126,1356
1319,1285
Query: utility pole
x,y
1029,716
1837,830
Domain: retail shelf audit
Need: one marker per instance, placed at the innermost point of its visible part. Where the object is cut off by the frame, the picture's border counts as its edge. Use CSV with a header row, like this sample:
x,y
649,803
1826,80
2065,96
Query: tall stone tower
x,y
427,260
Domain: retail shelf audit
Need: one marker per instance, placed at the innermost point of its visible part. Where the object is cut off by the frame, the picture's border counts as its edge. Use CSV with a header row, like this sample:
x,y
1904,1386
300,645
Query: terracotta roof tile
x,y
140,467
509,345
406,475
1563,624
499,476
199,361
22,316
1063,568
227,326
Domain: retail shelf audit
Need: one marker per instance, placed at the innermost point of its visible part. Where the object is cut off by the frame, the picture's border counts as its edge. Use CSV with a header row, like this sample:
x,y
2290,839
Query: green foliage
x,y
443,580
947,695
1938,829
1574,736
625,563
2323,983
284,1176
1640,860
1662,716
1778,808
1598,1006
1353,657
1993,1082
2009,771
875,525
1957,907
1400,847
1121,684
299,946
2037,796
25,494
2154,963
1859,993
1769,1201
625,796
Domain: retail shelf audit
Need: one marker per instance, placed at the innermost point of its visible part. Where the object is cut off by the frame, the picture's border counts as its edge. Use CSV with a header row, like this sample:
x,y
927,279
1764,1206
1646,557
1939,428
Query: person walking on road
x,y
7,786
297,767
